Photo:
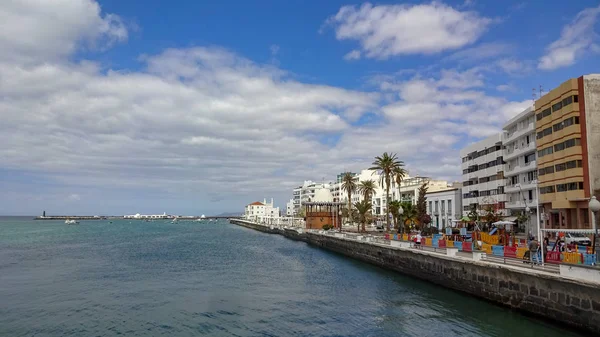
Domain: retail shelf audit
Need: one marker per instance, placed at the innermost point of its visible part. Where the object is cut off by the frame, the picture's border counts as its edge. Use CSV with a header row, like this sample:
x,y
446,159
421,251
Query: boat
x,y
71,222
174,220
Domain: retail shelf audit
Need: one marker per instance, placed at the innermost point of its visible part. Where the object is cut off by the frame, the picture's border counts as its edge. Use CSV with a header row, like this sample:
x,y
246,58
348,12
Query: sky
x,y
201,107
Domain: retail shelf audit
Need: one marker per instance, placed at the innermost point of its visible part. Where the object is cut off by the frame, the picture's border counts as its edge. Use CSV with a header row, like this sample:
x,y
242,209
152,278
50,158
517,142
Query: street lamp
x,y
594,206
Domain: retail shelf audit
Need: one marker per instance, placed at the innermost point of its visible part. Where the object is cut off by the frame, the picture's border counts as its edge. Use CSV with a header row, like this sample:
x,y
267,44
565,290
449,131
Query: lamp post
x,y
594,206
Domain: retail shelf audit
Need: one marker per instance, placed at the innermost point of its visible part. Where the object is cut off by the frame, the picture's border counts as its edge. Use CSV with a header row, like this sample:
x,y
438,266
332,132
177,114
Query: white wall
x,y
443,215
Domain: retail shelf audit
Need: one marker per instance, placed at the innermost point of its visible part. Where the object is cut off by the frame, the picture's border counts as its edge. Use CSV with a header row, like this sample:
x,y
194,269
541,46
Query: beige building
x,y
568,151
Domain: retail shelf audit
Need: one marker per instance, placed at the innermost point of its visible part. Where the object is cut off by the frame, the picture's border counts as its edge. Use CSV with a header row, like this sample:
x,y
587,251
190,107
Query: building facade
x,y
444,206
289,208
408,191
483,176
518,138
568,150
305,193
261,211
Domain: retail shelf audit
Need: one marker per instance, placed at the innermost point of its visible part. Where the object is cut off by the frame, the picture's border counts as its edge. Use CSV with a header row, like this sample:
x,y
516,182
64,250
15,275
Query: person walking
x,y
534,247
418,240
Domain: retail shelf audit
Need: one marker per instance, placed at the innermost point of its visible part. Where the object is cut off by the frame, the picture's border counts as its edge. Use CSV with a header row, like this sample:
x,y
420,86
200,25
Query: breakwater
x,y
563,300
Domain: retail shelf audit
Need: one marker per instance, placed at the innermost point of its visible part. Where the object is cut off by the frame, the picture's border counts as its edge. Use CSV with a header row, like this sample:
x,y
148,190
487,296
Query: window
x,y
546,189
561,188
559,147
575,186
530,194
436,206
571,164
575,98
546,151
430,208
556,106
567,101
531,176
579,163
545,132
529,158
443,202
449,206
572,142
560,167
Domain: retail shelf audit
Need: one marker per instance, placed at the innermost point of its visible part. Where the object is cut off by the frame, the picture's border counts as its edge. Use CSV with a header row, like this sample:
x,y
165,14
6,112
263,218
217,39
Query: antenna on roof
x,y
541,91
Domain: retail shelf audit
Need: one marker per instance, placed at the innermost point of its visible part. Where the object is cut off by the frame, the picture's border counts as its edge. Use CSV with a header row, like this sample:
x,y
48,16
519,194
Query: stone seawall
x,y
566,301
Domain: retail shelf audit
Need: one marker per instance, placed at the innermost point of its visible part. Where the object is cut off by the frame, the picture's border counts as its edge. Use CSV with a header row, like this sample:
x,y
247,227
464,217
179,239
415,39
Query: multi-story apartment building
x,y
378,198
521,170
568,151
444,206
483,175
305,193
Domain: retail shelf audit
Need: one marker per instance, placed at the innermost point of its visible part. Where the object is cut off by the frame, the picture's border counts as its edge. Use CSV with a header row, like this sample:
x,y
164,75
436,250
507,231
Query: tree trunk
x,y
387,204
363,226
349,208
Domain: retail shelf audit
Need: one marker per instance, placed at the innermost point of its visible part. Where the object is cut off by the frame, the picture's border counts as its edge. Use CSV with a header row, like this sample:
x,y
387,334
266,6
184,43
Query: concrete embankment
x,y
562,300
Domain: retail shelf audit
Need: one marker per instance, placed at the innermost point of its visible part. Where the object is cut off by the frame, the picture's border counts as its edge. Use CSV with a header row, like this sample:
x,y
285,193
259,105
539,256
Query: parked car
x,y
577,239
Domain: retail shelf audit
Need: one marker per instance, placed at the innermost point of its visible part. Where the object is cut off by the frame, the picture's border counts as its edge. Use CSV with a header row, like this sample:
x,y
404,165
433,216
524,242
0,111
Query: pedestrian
x,y
418,239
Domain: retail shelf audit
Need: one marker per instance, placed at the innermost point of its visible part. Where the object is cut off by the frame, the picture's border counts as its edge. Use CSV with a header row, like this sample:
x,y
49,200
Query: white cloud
x,y
353,55
74,197
390,30
505,88
274,49
203,124
576,39
50,30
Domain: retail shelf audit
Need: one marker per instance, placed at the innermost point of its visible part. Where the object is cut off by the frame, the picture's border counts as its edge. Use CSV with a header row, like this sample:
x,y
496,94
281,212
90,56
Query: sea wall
x,y
566,301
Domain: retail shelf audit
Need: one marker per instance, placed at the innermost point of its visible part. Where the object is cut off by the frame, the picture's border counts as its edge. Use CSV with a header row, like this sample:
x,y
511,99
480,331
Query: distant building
x,y
261,211
150,216
289,208
483,176
444,206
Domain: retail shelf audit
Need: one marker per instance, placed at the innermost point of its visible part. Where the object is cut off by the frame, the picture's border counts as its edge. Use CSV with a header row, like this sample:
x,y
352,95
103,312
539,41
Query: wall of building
x,y
560,300
483,185
592,123
443,215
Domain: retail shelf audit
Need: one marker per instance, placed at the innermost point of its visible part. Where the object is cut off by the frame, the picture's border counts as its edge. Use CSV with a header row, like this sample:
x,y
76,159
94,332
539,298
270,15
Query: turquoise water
x,y
137,278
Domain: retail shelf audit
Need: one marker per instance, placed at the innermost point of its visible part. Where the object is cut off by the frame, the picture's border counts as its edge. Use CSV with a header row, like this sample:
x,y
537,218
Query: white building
x,y
408,190
148,216
483,175
289,208
261,211
521,168
444,206
305,193
378,198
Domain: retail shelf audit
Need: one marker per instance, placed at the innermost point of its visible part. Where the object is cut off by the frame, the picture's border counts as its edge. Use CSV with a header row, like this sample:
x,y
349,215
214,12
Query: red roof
x,y
257,203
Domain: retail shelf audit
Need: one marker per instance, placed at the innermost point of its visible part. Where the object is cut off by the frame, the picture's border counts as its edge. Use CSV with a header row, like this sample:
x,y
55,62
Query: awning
x,y
510,218
566,230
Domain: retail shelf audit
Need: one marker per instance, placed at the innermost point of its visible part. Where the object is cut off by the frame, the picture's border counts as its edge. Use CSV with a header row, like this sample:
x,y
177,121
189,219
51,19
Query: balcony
x,y
509,137
512,170
520,151
520,204
529,185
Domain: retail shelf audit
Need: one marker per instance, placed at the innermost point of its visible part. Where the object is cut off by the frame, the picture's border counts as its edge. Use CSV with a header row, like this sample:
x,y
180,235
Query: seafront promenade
x,y
565,294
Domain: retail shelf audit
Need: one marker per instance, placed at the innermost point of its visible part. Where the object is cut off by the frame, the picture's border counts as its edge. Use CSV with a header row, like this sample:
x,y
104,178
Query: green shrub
x,y
327,227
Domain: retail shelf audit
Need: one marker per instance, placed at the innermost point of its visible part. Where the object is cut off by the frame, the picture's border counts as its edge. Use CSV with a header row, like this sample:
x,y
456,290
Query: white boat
x,y
71,222
174,220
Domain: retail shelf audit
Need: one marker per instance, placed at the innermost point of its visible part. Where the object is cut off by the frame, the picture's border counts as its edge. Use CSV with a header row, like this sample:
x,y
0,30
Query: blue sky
x,y
113,107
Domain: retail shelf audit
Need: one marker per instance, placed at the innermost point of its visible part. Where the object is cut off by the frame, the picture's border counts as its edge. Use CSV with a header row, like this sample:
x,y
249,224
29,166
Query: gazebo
x,y
323,210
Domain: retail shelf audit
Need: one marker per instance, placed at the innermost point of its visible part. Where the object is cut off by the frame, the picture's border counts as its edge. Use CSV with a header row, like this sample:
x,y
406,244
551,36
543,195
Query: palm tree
x,y
349,186
395,210
363,208
399,174
367,189
385,165
410,215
